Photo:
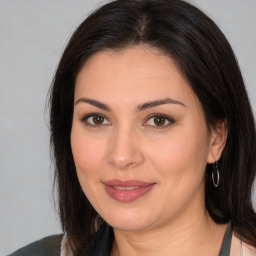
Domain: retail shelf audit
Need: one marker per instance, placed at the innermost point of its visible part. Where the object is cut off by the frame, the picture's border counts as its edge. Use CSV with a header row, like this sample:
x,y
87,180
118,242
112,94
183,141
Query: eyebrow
x,y
93,103
141,107
156,103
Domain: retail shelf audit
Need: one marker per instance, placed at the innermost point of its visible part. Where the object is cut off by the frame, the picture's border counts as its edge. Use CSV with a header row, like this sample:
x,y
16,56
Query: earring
x,y
215,175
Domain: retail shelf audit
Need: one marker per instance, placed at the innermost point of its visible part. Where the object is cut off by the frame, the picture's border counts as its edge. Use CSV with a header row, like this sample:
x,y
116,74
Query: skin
x,y
128,144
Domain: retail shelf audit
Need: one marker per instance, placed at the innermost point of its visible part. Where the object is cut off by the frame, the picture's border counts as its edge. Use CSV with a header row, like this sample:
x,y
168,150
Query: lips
x,y
127,191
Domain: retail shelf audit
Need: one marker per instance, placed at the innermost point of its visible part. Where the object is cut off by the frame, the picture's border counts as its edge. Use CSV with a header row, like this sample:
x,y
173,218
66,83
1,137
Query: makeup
x,y
127,191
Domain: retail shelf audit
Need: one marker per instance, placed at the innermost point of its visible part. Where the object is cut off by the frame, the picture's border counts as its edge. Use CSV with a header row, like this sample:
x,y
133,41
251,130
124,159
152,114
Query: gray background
x,y
33,34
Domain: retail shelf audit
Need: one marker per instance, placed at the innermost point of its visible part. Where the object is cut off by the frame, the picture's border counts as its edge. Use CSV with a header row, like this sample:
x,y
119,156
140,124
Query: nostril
x,y
123,158
125,162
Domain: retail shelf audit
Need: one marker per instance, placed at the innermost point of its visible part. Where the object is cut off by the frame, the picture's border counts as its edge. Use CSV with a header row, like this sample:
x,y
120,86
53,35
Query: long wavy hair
x,y
206,60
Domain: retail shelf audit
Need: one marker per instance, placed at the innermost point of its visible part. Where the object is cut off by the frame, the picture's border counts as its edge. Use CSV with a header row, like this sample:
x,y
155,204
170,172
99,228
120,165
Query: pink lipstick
x,y
127,191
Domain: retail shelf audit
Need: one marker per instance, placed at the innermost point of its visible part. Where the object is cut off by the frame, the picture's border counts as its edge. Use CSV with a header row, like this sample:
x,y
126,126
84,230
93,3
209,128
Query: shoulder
x,y
48,246
248,250
240,248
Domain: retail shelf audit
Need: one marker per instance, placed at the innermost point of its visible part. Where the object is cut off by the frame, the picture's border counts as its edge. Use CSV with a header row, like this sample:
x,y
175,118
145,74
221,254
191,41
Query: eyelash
x,y
157,115
86,117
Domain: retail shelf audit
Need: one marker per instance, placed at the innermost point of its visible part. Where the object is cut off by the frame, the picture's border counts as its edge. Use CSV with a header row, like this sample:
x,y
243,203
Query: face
x,y
139,139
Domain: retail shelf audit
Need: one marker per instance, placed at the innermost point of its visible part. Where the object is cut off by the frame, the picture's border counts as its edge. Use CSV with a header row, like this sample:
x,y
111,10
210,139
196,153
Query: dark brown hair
x,y
206,60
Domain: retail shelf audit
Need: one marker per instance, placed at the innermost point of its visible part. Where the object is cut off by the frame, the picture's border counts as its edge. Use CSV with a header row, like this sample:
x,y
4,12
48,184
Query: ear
x,y
218,137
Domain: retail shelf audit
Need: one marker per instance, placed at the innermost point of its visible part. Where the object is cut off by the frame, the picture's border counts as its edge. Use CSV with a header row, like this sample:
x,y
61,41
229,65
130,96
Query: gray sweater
x,y
48,246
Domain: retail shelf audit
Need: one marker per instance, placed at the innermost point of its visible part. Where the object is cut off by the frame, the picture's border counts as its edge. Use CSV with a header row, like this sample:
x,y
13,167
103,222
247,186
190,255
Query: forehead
x,y
133,72
143,52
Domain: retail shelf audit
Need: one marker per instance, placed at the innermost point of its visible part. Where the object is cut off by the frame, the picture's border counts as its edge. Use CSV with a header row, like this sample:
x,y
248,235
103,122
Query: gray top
x,y
225,248
50,246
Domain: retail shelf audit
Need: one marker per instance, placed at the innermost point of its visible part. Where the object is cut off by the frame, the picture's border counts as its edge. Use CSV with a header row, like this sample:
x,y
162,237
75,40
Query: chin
x,y
128,221
129,226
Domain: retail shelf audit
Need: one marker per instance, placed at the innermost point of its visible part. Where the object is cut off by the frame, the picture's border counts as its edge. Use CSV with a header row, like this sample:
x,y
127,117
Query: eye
x,y
95,120
159,121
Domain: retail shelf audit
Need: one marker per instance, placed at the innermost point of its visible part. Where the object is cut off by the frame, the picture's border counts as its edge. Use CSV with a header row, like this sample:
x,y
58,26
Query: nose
x,y
124,149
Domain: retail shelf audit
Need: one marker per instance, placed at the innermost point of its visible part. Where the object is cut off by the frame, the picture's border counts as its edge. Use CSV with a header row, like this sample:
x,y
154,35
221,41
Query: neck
x,y
189,235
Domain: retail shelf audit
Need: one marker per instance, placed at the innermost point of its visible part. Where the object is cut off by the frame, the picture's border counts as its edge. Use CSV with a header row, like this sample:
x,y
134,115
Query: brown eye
x,y
95,120
98,120
159,121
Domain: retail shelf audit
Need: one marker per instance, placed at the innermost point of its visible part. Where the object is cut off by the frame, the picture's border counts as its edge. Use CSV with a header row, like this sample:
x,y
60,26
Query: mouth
x,y
127,191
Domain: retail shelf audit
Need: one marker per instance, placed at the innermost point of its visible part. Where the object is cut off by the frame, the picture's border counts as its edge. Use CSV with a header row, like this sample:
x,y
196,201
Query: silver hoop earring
x,y
215,175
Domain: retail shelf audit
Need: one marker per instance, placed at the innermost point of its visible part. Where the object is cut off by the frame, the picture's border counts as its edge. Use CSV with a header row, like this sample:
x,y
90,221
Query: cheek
x,y
182,152
179,162
87,152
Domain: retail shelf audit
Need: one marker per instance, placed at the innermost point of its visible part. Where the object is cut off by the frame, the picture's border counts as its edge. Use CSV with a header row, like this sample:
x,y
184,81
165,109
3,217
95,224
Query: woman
x,y
153,137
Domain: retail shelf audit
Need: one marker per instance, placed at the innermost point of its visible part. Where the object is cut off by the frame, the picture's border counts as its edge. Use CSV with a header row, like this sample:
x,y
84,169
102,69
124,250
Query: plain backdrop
x,y
33,34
